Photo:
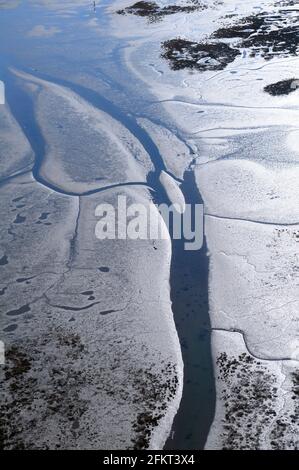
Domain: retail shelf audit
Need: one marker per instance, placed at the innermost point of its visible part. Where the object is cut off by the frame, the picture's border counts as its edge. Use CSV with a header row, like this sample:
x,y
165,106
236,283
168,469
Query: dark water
x,y
189,270
190,305
189,294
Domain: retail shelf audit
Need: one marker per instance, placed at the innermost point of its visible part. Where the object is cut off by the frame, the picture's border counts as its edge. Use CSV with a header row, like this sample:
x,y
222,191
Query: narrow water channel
x,y
189,295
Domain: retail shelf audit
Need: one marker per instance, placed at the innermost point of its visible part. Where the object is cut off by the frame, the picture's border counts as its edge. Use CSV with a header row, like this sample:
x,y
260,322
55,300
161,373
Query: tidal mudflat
x,y
138,344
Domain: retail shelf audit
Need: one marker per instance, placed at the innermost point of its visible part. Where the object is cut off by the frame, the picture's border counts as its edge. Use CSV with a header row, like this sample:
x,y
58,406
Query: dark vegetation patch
x,y
264,34
154,12
29,399
249,396
296,384
285,432
286,3
50,379
284,87
153,389
243,29
183,54
20,363
149,391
